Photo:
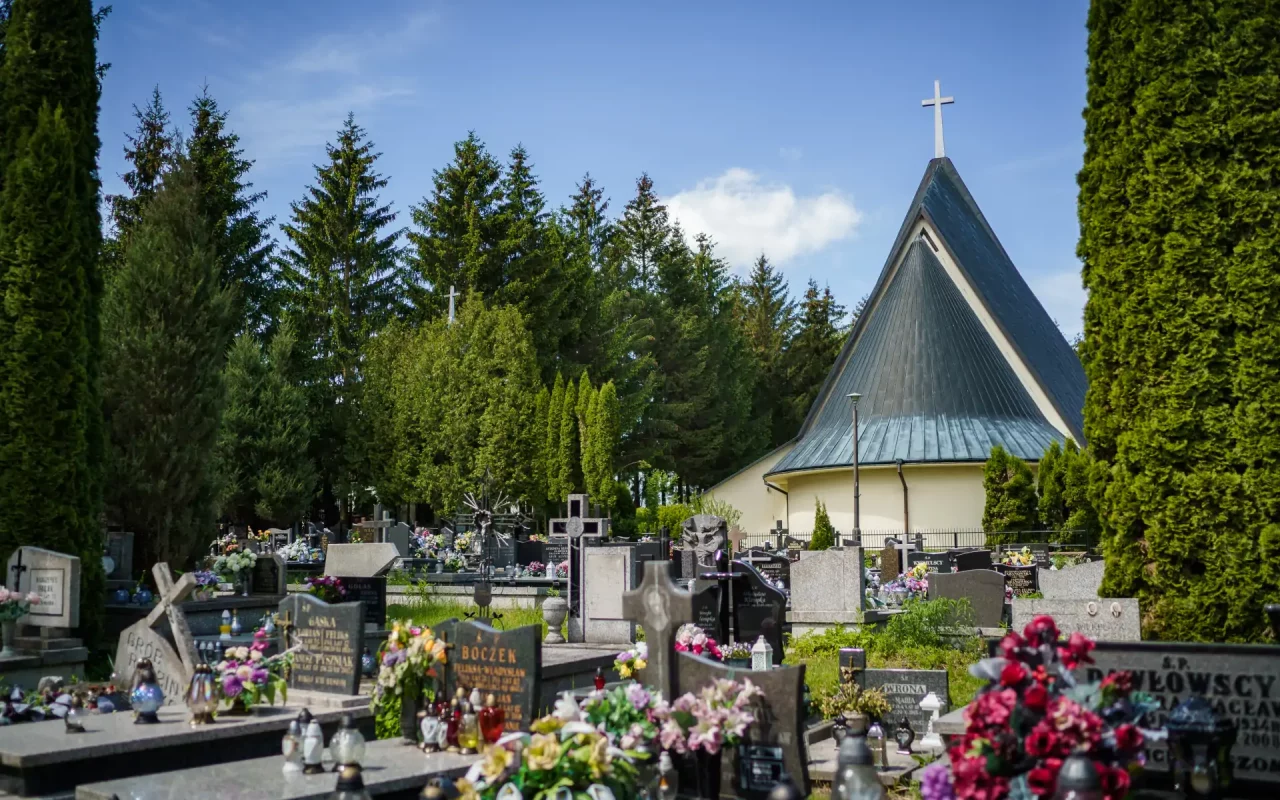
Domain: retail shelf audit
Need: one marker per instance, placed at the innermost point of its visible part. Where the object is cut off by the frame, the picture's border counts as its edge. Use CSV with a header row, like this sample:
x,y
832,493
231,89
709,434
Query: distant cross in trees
x,y
937,101
452,294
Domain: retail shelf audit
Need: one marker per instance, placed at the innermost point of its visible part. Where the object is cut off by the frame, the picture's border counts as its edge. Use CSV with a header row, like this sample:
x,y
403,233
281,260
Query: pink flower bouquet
x,y
692,639
716,717
15,605
247,678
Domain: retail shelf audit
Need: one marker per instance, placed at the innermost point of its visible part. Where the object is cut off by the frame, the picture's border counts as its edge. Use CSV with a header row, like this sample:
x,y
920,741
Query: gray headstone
x,y
774,566
984,589
776,742
1241,681
1114,620
758,610
660,607
507,664
704,534
55,577
827,586
398,536
333,636
607,574
1080,582
120,548
1021,580
972,559
269,575
904,689
140,640
688,564
360,560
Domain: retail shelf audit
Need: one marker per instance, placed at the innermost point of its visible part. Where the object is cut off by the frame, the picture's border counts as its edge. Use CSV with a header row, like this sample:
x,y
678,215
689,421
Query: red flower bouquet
x,y
1033,715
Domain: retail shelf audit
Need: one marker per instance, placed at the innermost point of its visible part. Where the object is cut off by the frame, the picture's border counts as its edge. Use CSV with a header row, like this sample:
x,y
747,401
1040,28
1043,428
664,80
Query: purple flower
x,y
935,782
231,685
637,696
260,676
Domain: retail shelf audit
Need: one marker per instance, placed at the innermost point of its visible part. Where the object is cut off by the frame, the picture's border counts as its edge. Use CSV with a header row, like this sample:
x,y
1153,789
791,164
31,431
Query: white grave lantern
x,y
932,741
761,656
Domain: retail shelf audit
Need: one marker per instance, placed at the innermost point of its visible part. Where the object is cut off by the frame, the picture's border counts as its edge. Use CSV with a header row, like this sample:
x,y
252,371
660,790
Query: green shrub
x,y
1010,496
824,535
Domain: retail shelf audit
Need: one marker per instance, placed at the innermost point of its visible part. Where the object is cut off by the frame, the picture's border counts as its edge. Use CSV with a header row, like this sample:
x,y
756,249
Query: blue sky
x,y
795,128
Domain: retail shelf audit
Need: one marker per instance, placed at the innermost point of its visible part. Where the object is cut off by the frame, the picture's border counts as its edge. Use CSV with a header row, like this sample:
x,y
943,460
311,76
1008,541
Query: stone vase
x,y
554,610
10,633
857,724
410,705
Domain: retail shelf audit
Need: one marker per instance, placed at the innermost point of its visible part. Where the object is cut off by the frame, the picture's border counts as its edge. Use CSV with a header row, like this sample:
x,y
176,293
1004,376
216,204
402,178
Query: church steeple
x,y
937,101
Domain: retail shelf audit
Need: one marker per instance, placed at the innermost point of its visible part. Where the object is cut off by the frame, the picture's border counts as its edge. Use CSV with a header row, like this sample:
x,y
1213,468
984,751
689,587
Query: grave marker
x,y
934,562
1080,582
55,577
660,608
890,566
372,592
360,560
984,588
1104,620
827,586
972,559
332,638
758,609
507,664
904,689
1021,580
269,575
603,619
571,530
706,610
398,537
173,665
120,548
774,566
704,535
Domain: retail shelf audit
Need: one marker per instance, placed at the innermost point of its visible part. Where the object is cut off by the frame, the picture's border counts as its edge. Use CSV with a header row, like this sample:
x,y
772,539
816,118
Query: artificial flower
x,y
543,751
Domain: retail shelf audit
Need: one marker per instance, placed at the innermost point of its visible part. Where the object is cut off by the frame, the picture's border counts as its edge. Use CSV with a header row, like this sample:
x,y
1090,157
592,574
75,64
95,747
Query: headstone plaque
x,y
55,577
398,536
933,562
852,660
120,548
827,586
904,689
556,552
1103,620
984,588
1242,682
774,566
360,560
775,742
794,546
507,664
758,610
972,559
268,576
706,610
332,637
890,565
373,593
1080,582
139,641
688,563
1021,580
607,572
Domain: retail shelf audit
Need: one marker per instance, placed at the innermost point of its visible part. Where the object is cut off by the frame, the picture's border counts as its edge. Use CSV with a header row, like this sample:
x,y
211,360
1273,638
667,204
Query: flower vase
x,y
244,585
410,705
707,769
554,610
10,632
238,707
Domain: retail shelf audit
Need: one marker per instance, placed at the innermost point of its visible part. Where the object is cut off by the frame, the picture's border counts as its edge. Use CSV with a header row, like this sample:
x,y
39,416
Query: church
x,y
952,355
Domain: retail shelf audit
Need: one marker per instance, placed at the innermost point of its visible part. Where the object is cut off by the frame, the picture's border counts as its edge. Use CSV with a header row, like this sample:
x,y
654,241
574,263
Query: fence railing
x,y
952,539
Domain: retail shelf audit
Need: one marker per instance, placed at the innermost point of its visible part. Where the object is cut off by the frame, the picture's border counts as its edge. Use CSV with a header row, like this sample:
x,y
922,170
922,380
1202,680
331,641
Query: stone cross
x,y
937,101
905,547
452,294
572,529
736,536
170,596
660,608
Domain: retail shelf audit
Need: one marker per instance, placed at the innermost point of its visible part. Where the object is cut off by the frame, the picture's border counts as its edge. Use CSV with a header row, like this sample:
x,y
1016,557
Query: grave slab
x,y
606,573
333,638
55,577
360,560
984,588
1021,580
120,548
758,610
398,536
269,576
904,689
973,559
1072,583
1103,620
828,586
506,663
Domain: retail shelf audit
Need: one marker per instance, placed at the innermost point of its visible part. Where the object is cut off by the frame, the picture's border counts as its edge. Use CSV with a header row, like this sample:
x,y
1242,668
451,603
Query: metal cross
x,y
171,595
285,623
661,608
17,570
573,529
905,547
452,295
937,101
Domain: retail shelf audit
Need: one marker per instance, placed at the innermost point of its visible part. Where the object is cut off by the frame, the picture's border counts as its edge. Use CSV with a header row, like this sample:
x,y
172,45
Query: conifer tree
x,y
817,343
1080,475
769,321
824,533
150,152
166,319
227,201
586,399
1010,489
542,459
598,463
570,459
1051,487
342,281
555,410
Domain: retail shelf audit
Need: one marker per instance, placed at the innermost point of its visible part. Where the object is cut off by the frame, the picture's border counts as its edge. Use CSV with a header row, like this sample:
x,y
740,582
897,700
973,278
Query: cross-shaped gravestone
x,y
572,529
170,596
905,547
937,101
781,533
452,294
173,667
736,537
660,608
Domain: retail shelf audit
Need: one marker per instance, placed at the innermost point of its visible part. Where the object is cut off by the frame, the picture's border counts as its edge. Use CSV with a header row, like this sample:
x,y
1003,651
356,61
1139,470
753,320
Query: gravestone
x,y
269,575
574,530
372,592
758,609
332,637
174,662
774,745
774,566
1021,580
704,535
890,566
904,689
55,577
606,571
1115,620
706,610
531,551
398,537
984,588
852,661
120,548
794,547
972,559
1080,582
507,664
827,586
659,607
736,537
933,562
1242,682
360,560
640,553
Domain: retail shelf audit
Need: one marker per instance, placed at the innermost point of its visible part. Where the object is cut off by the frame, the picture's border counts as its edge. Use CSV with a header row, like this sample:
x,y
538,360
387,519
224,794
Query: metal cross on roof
x,y
661,608
937,101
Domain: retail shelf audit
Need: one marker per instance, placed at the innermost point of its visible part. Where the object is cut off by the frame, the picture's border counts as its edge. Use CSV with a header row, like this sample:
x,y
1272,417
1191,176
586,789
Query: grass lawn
x,y
428,609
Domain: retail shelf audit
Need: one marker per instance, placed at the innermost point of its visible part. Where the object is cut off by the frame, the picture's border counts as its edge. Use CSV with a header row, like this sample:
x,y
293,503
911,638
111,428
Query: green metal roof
x,y
935,387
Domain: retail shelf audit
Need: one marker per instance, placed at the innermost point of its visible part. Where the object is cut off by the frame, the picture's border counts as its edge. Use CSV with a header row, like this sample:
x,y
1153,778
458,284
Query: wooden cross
x,y
937,101
171,595
660,608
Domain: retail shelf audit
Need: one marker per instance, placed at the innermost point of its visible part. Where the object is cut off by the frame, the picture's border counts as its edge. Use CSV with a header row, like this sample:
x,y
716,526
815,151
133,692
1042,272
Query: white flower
x,y
567,708
509,792
595,791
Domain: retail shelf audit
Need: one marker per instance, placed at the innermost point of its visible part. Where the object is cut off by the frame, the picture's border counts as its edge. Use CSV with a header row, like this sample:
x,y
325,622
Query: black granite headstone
x,y
904,689
120,548
333,638
640,553
706,610
373,593
529,552
774,566
507,664
853,660
758,610
1022,580
268,576
774,744
973,559
934,562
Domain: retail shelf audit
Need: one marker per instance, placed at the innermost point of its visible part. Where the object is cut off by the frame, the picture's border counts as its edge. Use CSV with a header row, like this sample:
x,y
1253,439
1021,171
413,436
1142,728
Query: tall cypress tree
x,y
555,409
150,152
1051,479
343,282
1010,496
1181,325
227,201
769,321
570,459
48,58
166,320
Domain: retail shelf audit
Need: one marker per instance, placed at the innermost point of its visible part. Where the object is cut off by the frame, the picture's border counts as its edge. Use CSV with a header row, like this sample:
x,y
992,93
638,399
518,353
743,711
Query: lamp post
x,y
854,397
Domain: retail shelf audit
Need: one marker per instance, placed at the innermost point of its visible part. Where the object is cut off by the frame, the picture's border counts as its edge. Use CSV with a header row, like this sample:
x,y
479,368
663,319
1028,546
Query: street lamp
x,y
854,397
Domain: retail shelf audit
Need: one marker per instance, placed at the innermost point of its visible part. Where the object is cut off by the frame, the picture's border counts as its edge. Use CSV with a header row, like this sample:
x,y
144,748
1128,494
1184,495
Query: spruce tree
x,y
342,282
824,533
150,152
814,349
237,454
1181,322
1010,505
769,322
166,319
227,201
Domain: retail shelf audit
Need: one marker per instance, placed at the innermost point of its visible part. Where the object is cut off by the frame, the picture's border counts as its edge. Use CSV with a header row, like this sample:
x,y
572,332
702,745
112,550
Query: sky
x,y
793,129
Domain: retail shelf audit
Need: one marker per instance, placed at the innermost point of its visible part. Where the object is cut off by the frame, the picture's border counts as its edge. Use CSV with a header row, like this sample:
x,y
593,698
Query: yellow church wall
x,y
745,491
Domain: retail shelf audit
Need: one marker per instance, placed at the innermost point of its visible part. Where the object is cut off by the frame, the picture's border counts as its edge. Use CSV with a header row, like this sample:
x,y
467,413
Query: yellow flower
x,y
624,670
495,764
466,790
641,663
543,752
598,758
548,724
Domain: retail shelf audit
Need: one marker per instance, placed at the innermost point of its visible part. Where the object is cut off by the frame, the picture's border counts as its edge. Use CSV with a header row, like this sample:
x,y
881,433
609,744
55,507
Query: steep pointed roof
x,y
949,362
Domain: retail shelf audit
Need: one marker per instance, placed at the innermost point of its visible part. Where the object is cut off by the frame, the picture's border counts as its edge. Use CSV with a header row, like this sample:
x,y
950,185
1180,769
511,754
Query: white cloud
x,y
348,53
790,153
1063,296
746,217
280,126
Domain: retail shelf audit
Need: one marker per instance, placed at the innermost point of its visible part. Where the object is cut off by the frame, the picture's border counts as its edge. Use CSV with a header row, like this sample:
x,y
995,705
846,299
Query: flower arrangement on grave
x,y
356,536
1058,562
537,568
406,660
737,652
708,721
692,639
206,583
462,542
259,536
849,700
1033,715
539,537
1023,558
426,544
914,583
247,678
562,569
454,563
564,753
15,605
326,588
625,715
629,661
235,564
226,544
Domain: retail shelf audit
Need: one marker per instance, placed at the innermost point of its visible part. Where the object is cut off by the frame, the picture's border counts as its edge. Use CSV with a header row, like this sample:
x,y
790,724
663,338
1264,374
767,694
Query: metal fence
x,y
951,539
